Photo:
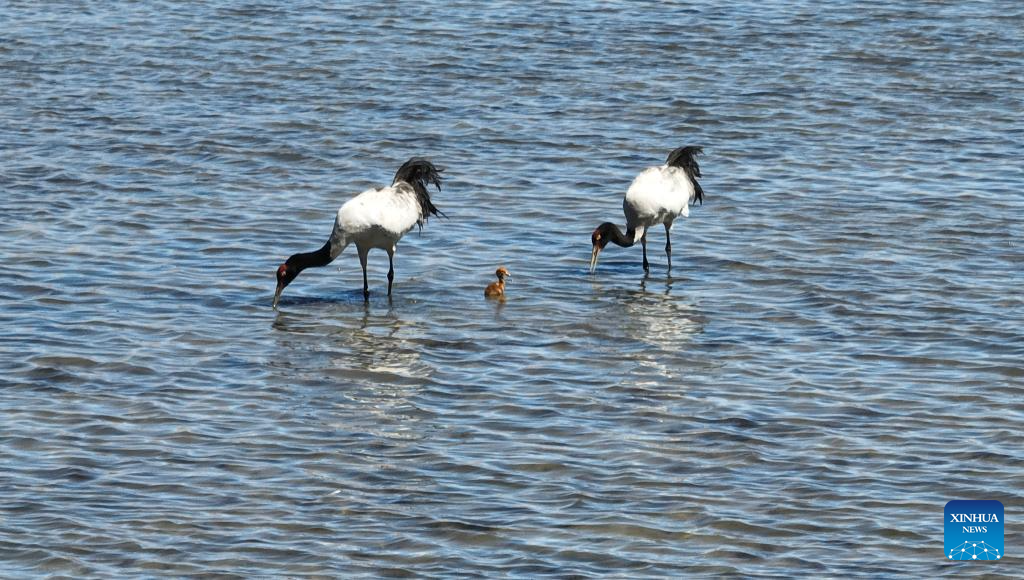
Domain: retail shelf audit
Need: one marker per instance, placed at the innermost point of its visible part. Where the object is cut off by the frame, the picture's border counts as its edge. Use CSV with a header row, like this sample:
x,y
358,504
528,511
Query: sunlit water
x,y
836,353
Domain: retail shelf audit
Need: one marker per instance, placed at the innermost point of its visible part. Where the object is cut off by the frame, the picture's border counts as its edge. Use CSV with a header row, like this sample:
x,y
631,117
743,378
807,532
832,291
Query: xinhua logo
x,y
974,529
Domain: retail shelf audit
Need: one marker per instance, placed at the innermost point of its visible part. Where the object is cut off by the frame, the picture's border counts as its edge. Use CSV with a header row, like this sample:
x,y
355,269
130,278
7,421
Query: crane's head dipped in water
x,y
294,265
285,275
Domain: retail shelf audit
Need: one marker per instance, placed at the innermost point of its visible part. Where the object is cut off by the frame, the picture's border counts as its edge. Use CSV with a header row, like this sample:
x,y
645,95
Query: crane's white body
x,y
657,196
376,218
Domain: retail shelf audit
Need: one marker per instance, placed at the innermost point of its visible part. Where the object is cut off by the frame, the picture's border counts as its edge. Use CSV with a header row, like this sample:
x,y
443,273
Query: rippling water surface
x,y
836,353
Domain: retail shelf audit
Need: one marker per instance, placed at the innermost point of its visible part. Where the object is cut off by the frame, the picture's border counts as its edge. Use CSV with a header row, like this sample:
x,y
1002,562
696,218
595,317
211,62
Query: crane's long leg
x,y
668,245
362,262
391,268
643,242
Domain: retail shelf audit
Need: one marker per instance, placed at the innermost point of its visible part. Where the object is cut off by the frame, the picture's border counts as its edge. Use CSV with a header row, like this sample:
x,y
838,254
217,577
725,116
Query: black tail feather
x,y
420,173
686,158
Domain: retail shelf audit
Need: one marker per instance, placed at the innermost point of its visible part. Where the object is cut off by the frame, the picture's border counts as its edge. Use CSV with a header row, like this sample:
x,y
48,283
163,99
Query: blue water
x,y
835,354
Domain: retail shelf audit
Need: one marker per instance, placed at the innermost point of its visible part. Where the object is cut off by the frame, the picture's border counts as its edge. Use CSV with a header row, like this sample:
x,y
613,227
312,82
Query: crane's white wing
x,y
376,218
658,195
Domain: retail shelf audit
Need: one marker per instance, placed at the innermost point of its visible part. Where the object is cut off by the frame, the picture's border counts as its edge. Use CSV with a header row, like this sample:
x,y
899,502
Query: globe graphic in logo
x,y
974,551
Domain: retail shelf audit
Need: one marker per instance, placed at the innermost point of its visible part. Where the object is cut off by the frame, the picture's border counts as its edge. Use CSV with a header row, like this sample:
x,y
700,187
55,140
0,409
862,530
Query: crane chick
x,y
497,289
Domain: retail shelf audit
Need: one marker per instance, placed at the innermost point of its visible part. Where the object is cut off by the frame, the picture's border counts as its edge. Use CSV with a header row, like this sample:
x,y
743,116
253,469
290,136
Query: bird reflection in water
x,y
353,341
355,370
650,313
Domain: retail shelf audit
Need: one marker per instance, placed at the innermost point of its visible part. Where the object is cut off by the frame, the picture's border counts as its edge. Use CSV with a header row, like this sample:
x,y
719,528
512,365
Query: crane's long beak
x,y
593,258
277,294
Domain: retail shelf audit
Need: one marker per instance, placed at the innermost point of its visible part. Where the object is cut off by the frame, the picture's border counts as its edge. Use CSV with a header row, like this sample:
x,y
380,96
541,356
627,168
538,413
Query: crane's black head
x,y
297,263
285,274
602,235
599,239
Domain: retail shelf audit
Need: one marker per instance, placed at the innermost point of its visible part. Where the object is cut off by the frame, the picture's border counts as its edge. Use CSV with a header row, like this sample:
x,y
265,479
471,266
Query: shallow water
x,y
836,353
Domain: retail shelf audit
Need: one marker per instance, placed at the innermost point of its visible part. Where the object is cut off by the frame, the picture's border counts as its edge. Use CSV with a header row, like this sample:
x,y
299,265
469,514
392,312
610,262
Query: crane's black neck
x,y
613,234
316,259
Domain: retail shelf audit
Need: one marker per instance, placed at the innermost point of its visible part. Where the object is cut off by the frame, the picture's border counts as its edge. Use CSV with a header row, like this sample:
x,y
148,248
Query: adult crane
x,y
658,195
376,218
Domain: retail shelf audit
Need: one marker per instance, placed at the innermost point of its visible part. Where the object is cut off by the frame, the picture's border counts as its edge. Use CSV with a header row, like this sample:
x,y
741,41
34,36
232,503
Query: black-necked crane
x,y
376,218
497,289
658,195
